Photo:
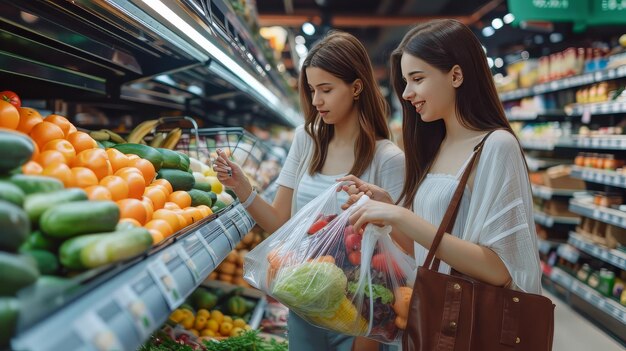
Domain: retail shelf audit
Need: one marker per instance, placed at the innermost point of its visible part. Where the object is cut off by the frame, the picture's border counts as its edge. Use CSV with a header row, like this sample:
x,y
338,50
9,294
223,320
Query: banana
x,y
141,130
158,140
172,138
116,138
99,135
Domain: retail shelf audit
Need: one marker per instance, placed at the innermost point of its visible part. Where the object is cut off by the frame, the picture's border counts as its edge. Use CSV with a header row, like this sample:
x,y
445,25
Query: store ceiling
x,y
379,24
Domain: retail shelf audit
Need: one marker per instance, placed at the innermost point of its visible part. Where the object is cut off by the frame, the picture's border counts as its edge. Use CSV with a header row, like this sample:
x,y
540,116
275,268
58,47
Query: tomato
x,y
11,98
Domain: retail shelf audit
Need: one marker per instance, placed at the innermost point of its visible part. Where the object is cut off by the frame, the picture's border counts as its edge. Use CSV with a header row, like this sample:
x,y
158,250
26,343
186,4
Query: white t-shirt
x,y
496,213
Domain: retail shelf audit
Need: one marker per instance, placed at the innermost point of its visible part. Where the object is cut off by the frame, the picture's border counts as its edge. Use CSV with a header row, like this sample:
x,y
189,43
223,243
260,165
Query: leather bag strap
x,y
448,219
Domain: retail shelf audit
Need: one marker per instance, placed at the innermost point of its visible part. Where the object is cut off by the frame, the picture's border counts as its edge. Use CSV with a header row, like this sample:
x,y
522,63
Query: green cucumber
x,y
31,184
17,272
47,262
202,186
14,225
199,197
94,250
36,204
171,159
81,217
16,148
184,161
144,151
9,311
11,193
180,180
37,241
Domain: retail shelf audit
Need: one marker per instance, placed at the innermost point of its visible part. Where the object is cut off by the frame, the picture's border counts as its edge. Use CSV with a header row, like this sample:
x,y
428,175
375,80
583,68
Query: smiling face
x,y
332,97
431,91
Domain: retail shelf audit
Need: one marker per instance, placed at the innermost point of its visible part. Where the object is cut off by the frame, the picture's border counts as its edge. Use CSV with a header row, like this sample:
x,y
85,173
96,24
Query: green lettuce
x,y
379,291
313,288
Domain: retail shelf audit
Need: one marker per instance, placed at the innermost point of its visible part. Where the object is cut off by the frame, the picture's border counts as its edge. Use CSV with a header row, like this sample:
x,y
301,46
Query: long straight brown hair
x,y
343,56
443,44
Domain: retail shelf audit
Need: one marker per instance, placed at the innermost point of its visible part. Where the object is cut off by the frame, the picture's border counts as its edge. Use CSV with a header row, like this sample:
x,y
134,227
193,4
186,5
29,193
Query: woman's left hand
x,y
375,212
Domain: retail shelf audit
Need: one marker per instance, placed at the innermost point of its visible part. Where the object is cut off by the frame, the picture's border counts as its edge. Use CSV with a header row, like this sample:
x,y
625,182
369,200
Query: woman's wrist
x,y
243,191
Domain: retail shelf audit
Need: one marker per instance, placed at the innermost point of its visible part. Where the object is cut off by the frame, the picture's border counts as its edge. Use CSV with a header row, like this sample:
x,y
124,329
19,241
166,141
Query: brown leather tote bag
x,y
455,312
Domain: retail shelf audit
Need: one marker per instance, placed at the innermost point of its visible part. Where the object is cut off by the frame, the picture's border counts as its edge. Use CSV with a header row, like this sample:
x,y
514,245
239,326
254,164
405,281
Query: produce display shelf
x,y
549,221
599,176
602,214
601,108
605,142
614,257
546,193
259,309
121,312
566,83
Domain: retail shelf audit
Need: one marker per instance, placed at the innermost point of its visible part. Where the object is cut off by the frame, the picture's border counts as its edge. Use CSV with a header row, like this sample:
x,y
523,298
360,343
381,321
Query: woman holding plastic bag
x,y
449,105
345,132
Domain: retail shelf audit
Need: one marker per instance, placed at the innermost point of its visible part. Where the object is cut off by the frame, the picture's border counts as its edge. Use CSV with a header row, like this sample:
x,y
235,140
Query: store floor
x,y
573,332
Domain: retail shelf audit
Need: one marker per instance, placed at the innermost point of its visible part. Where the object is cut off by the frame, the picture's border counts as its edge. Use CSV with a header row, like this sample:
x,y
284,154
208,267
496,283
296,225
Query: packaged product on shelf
x,y
333,277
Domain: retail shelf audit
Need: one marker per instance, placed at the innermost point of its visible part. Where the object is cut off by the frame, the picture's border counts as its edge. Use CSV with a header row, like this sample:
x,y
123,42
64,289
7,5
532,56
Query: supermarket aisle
x,y
572,332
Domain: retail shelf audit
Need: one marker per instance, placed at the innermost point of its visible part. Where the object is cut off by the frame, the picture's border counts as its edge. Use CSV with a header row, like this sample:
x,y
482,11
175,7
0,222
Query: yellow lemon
x,y
177,316
217,316
213,325
236,331
226,328
207,332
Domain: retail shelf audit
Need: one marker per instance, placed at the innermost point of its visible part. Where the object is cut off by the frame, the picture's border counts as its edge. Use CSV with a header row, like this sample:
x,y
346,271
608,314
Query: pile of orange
x,y
73,157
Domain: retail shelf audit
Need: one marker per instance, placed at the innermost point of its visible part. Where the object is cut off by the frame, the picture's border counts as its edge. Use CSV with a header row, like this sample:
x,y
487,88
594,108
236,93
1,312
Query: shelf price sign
x,y
93,331
207,247
128,300
164,279
229,236
184,256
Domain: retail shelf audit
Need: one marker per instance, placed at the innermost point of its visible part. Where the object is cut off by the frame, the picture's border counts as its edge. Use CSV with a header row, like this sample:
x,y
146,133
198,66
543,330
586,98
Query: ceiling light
x,y
490,62
508,18
488,31
556,37
498,62
497,23
300,40
308,28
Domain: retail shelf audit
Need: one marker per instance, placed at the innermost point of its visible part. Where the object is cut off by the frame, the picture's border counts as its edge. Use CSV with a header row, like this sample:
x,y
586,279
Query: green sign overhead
x,y
581,12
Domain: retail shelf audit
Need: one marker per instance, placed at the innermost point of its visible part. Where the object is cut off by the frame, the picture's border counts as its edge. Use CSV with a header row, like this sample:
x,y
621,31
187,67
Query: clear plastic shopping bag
x,y
353,283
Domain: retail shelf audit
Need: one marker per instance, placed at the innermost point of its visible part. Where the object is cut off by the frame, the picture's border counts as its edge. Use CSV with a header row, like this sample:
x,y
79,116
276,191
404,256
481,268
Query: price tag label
x,y
93,331
188,262
606,216
586,118
229,236
207,247
128,300
623,222
166,283
549,221
596,214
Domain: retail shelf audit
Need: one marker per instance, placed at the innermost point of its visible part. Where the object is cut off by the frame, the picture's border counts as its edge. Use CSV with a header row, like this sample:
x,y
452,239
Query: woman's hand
x,y
230,174
357,188
375,212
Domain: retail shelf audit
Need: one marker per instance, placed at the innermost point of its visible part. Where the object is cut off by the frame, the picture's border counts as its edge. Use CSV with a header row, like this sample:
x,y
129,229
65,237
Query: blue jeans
x,y
306,337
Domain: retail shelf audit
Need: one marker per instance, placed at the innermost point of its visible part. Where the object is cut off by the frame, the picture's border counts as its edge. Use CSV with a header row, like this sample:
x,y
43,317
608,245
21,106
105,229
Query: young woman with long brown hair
x,y
449,104
345,132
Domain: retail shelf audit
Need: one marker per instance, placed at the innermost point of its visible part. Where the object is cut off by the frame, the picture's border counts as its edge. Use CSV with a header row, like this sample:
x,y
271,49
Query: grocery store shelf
x,y
606,305
614,257
599,176
521,116
120,311
549,221
601,108
568,253
546,245
546,193
566,83
605,142
602,214
538,144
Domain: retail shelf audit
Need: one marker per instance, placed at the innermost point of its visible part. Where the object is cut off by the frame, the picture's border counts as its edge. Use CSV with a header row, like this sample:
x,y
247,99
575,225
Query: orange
x,y
132,208
49,157
206,210
118,159
32,168
169,216
133,157
60,121
60,171
186,216
146,168
135,181
44,132
157,196
35,151
147,203
182,220
72,130
117,186
84,177
181,198
81,141
29,117
96,160
98,192
132,221
157,237
160,225
171,206
195,213
9,116
63,146
165,183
